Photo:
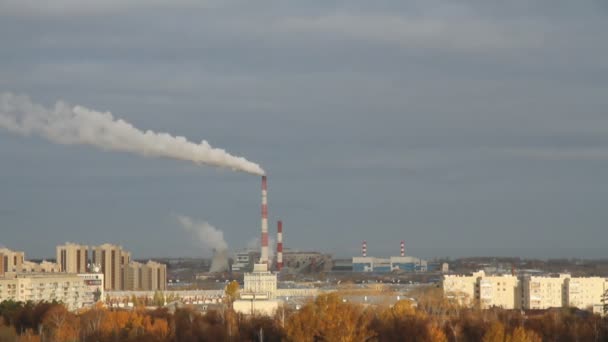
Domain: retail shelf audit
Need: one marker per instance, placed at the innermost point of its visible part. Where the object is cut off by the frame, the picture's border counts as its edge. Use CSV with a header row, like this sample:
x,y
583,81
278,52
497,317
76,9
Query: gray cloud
x,y
437,122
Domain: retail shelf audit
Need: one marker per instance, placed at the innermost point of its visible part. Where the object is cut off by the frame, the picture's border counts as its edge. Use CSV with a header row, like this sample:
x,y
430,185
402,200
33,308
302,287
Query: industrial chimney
x,y
364,248
264,252
279,245
402,248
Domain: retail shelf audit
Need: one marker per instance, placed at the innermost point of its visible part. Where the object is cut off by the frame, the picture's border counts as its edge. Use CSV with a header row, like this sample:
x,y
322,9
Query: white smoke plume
x,y
212,240
65,124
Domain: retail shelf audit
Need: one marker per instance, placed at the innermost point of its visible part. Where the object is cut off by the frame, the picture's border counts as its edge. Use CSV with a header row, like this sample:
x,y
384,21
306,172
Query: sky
x,y
465,128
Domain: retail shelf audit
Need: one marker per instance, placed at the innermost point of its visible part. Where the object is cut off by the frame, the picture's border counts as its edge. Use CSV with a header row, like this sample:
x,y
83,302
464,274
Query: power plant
x,y
400,263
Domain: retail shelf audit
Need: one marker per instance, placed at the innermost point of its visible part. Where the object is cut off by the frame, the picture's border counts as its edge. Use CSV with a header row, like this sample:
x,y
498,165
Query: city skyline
x,y
465,129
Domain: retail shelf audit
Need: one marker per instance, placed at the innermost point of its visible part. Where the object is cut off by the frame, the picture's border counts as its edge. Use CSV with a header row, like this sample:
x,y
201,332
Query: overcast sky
x,y
462,127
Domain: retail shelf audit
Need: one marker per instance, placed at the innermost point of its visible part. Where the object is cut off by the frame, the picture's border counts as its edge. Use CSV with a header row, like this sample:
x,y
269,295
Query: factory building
x,y
400,263
244,260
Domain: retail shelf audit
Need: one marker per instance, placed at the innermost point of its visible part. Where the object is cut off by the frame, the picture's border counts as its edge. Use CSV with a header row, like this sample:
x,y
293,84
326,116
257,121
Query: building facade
x,y
110,259
73,258
12,261
69,289
526,292
386,265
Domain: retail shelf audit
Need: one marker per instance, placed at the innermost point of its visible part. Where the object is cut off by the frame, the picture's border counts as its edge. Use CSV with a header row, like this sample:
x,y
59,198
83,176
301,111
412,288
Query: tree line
x,y
326,318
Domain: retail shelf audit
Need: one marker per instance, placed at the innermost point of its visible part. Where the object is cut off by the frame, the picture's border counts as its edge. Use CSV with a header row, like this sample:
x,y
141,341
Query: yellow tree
x,y
328,318
232,291
61,324
496,333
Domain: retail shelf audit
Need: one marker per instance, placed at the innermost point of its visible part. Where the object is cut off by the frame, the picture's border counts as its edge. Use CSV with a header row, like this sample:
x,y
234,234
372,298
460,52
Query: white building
x,y
526,292
259,292
69,289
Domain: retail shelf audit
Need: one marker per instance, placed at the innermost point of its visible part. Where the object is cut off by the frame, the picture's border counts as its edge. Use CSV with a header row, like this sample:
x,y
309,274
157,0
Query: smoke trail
x,y
211,238
65,124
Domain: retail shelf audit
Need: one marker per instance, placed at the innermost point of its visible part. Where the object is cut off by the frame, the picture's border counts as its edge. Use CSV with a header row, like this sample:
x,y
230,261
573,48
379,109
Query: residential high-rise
x,y
73,258
132,275
111,259
154,276
12,261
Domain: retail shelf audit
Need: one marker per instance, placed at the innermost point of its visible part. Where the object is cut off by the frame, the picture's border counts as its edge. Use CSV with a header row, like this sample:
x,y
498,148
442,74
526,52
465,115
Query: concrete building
x,y
132,276
386,265
585,293
244,260
93,283
69,289
259,292
111,259
501,291
73,258
154,276
542,292
526,292
11,260
42,267
462,288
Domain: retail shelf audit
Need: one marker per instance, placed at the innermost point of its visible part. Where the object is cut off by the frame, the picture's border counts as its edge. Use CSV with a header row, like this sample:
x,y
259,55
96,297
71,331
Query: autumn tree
x,y
60,324
232,292
328,318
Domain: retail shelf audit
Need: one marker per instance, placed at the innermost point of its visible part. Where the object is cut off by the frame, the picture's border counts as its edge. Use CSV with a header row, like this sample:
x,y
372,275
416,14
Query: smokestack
x,y
402,248
279,245
264,253
364,248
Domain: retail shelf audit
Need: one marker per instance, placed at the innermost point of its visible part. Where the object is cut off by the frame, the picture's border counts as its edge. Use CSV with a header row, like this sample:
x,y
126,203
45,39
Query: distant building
x,y
69,289
154,276
526,292
42,267
11,260
111,259
150,276
93,283
258,296
244,260
386,265
73,258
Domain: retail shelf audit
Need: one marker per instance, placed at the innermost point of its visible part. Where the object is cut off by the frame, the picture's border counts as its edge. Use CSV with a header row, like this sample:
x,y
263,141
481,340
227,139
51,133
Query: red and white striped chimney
x,y
364,248
279,245
402,248
264,252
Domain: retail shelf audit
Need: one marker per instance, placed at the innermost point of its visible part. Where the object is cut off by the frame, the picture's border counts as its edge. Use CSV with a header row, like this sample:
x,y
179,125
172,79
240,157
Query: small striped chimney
x,y
279,245
264,252
402,248
364,248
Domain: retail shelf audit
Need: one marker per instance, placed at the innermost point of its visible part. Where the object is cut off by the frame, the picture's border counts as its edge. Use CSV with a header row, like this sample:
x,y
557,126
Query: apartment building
x,y
73,258
462,288
501,291
69,289
585,293
543,292
154,276
11,261
111,259
526,292
42,267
